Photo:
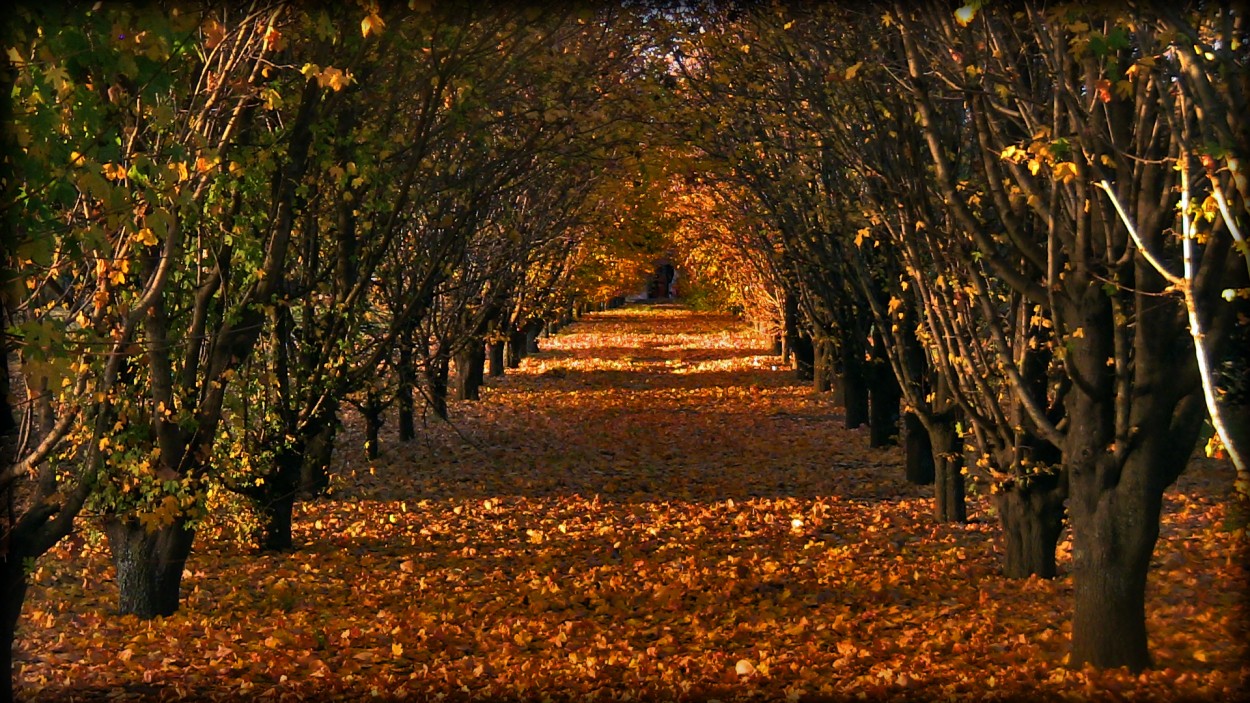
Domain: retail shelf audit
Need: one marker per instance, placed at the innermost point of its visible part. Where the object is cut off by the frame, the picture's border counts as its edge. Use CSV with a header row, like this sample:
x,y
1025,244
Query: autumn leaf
x,y
371,24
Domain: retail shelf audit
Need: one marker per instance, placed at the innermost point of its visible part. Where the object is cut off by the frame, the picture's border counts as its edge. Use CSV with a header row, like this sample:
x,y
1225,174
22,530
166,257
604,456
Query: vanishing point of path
x,y
648,509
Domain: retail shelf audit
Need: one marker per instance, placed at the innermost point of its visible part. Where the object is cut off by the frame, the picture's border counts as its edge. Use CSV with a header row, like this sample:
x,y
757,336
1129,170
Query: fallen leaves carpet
x,y
648,509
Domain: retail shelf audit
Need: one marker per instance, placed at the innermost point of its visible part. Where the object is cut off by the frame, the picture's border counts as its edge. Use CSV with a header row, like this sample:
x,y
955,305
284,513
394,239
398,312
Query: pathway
x,y
647,509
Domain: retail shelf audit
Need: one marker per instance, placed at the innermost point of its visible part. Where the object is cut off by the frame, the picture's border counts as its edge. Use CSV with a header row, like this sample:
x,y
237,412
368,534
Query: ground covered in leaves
x,y
648,509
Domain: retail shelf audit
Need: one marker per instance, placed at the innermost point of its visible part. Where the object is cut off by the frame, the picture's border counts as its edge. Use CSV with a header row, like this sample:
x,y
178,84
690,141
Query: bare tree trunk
x,y
404,393
149,565
918,451
1032,517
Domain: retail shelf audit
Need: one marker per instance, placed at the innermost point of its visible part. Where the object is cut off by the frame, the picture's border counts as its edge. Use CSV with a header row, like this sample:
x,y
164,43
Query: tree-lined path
x,y
650,507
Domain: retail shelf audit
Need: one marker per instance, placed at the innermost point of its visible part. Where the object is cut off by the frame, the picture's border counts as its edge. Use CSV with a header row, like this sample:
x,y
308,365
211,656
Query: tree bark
x,y
853,385
404,393
885,395
274,500
496,359
822,365
804,357
516,349
949,494
372,410
531,337
318,443
149,565
470,368
436,386
1114,532
918,451
1032,518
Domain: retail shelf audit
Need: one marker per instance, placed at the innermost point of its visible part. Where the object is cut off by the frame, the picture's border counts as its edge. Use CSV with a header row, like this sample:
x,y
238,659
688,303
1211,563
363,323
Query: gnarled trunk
x,y
1031,512
1114,532
149,565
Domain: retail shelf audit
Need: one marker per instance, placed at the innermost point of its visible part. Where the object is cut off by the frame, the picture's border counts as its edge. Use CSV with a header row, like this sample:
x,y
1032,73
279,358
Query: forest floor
x,y
648,509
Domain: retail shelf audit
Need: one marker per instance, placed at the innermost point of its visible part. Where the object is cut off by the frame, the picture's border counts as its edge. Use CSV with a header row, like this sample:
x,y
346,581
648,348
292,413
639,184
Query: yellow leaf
x,y
965,15
214,33
273,40
372,24
851,71
146,237
1064,171
397,649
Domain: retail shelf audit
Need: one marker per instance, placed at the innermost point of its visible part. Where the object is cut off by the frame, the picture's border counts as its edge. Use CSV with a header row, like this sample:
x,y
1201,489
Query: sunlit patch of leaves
x,y
669,516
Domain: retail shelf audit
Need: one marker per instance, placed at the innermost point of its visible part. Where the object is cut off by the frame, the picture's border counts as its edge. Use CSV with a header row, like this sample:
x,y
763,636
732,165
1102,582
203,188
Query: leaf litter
x,y
651,508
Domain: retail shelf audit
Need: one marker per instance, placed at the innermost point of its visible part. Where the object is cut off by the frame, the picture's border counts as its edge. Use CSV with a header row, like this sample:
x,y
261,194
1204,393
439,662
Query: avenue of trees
x,y
1009,237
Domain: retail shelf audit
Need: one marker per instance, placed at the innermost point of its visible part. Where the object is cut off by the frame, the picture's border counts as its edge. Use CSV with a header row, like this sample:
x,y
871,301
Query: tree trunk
x,y
274,500
822,365
789,326
14,574
804,357
470,367
531,337
404,394
149,565
436,385
884,408
318,443
918,451
778,346
1114,532
516,349
1032,518
853,385
372,410
496,359
949,498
